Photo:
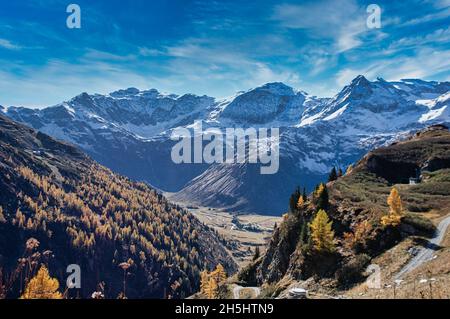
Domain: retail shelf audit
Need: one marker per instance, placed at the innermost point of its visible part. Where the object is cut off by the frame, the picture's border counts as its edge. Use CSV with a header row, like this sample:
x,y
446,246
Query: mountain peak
x,y
124,93
277,88
360,80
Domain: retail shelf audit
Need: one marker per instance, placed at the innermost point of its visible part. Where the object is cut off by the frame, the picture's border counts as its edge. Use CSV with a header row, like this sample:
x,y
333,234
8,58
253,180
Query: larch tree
x,y
300,202
211,289
395,215
42,286
219,274
395,202
322,233
204,282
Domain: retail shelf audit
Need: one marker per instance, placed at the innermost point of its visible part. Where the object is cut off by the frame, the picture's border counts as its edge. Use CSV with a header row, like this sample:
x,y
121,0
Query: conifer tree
x,y
321,197
211,288
395,202
42,286
393,218
293,200
321,233
340,173
204,282
300,202
304,232
219,274
333,175
257,253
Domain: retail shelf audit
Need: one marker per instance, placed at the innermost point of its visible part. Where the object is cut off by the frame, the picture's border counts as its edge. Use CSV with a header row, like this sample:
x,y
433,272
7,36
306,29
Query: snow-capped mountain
x,y
129,131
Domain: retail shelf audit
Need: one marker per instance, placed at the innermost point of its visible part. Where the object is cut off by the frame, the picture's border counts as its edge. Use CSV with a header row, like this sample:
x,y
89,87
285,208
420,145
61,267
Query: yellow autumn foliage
x,y
395,210
321,232
42,286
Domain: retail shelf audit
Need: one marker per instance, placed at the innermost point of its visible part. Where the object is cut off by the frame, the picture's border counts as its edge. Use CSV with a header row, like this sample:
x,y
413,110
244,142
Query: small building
x,y
298,293
417,179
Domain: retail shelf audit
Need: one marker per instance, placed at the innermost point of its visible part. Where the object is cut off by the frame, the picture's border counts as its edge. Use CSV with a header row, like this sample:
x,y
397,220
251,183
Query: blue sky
x,y
214,47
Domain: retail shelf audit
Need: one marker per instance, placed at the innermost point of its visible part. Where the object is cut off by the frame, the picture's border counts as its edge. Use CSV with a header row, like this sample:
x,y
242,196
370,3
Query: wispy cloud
x,y
6,44
426,63
215,47
432,17
342,21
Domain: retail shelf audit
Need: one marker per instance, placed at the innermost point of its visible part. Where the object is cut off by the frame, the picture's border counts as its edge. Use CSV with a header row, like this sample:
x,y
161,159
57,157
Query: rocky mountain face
x,y
82,213
360,198
129,132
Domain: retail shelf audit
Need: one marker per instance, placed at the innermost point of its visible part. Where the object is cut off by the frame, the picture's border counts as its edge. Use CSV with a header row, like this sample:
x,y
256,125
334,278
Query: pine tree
x,y
42,286
340,173
321,233
304,195
257,253
304,235
293,200
321,197
333,175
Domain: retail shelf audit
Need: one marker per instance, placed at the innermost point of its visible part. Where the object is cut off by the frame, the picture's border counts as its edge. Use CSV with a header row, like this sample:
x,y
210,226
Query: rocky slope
x,y
129,132
86,215
358,197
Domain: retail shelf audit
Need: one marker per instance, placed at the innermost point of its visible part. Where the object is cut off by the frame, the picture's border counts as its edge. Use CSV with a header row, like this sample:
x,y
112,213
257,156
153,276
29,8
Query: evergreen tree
x,y
257,253
333,175
321,197
321,233
340,173
304,195
304,233
293,200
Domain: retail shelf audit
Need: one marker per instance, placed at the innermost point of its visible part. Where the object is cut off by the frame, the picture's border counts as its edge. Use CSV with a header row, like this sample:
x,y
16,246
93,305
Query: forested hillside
x,y
124,235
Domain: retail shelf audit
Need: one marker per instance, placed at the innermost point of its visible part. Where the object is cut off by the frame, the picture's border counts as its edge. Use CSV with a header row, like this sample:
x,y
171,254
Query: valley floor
x,y
242,241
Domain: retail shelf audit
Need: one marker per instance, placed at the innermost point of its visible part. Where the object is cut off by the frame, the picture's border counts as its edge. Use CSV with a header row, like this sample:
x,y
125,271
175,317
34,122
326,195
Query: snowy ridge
x,y
128,130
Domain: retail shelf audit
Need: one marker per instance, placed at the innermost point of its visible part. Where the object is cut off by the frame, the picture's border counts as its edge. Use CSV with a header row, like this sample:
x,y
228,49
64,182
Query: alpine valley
x,y
129,132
